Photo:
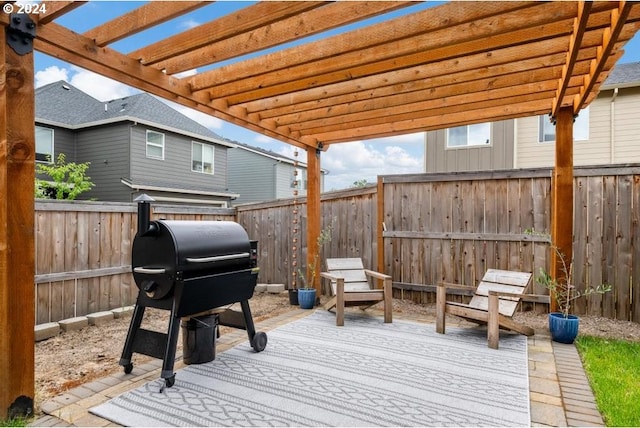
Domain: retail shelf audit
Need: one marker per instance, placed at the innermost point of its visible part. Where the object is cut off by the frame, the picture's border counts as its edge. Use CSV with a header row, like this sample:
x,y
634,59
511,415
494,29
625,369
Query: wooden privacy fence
x,y
436,227
83,254
350,213
453,227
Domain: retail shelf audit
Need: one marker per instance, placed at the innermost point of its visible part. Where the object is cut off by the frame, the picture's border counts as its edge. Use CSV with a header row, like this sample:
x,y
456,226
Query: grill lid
x,y
178,250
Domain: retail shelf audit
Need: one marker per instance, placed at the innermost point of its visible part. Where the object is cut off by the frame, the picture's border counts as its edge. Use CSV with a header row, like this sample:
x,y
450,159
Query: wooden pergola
x,y
455,64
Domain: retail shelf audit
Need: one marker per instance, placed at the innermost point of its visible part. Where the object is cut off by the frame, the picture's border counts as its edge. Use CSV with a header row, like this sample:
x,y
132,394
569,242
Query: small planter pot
x,y
563,330
293,296
307,297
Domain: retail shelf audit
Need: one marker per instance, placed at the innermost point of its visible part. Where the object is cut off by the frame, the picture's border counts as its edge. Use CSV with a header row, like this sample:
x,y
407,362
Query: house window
x,y
470,135
202,158
155,145
547,130
44,145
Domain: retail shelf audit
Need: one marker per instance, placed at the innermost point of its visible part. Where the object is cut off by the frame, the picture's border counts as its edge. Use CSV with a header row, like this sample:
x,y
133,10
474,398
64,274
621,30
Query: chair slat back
x,y
352,270
504,281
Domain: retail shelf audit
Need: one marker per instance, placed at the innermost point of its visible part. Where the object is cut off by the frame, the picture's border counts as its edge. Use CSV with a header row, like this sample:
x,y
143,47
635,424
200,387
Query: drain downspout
x,y
612,128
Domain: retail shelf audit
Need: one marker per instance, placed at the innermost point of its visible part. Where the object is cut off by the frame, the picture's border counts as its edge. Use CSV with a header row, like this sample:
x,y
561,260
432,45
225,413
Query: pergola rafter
x,y
294,80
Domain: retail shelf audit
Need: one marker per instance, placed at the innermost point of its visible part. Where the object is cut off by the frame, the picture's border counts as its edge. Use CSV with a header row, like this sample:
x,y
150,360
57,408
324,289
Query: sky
x,y
347,163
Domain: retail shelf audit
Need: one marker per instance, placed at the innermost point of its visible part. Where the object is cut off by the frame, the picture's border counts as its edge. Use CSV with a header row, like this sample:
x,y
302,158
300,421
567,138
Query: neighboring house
x,y
270,175
606,132
137,144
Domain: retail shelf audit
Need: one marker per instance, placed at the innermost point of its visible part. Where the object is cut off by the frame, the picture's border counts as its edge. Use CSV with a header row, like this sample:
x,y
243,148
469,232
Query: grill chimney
x,y
145,225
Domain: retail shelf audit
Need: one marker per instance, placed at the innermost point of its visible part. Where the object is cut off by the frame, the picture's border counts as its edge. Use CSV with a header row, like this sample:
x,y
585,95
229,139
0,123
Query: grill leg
x,y
127,351
170,352
257,340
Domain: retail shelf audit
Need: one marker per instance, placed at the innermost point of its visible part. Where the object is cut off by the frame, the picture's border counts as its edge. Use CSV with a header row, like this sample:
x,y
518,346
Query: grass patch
x,y
15,422
613,369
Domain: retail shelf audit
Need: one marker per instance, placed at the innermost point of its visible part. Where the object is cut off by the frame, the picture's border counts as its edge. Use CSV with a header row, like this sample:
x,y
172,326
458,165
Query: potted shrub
x,y
564,326
307,293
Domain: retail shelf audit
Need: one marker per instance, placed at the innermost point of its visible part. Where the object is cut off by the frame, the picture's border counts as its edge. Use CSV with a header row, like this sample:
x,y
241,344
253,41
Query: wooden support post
x,y
313,215
17,254
380,228
493,321
562,195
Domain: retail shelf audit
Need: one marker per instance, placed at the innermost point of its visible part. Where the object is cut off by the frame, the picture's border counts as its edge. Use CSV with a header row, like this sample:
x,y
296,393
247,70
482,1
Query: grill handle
x,y
217,258
152,271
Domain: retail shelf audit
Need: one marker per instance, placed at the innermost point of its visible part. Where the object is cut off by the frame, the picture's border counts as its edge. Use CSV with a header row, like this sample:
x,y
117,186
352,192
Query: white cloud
x,y
100,87
51,74
351,162
360,160
211,122
189,24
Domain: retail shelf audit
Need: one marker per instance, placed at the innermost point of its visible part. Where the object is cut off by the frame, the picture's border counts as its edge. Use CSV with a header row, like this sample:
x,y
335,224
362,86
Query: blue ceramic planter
x,y
563,330
307,297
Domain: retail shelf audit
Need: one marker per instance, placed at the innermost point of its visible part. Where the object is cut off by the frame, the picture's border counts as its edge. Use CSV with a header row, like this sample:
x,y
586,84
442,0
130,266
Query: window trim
x,y
151,143
213,157
53,141
586,121
467,145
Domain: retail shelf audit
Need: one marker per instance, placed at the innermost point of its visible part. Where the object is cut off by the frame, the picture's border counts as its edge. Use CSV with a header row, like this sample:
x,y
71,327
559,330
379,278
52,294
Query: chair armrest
x,y
330,276
543,297
457,286
376,274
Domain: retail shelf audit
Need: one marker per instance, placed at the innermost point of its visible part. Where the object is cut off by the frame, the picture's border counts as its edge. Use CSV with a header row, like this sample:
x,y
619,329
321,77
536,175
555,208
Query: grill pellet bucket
x,y
199,339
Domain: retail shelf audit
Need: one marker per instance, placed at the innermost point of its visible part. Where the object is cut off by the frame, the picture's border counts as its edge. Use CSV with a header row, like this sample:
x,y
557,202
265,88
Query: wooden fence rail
x,y
435,227
83,254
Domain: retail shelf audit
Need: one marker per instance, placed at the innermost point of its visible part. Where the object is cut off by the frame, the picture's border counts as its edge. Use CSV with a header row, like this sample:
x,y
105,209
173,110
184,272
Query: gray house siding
x,y
63,142
284,181
495,156
107,148
251,175
175,169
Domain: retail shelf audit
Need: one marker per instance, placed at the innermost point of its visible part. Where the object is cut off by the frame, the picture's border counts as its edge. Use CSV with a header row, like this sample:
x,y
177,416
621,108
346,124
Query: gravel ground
x,y
73,358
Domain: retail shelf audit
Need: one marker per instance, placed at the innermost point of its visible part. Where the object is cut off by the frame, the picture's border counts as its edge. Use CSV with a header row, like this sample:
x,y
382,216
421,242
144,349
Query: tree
x,y
360,183
68,179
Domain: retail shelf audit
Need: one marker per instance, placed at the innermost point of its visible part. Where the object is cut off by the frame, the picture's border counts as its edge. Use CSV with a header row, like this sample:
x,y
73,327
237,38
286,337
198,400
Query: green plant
x,y
69,179
309,279
563,288
613,369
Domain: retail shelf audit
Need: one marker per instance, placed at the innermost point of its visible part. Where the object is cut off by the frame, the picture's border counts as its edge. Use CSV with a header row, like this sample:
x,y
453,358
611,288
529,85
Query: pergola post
x,y
17,255
562,191
313,215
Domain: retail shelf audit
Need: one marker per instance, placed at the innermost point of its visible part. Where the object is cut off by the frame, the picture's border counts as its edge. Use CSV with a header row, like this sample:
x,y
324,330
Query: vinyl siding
x,y
175,169
498,155
107,148
251,175
627,126
597,150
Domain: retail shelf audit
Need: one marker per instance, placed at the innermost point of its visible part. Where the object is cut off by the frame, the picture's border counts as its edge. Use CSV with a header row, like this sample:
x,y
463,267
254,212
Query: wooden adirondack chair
x,y
351,287
494,302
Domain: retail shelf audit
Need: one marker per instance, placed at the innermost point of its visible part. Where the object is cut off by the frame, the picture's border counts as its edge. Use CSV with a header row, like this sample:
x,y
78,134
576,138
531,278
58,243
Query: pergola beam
x,y
575,42
82,51
227,42
388,39
609,39
55,9
142,18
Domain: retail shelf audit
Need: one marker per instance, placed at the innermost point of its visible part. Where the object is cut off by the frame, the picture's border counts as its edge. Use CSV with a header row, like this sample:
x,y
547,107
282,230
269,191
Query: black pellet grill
x,y
189,268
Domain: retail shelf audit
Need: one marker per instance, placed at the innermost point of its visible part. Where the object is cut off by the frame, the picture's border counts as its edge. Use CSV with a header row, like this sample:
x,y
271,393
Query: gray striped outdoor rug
x,y
366,373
